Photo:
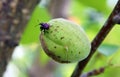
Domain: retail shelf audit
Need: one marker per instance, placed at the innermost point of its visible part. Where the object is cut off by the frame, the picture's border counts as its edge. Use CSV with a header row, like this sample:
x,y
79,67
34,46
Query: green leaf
x,y
32,31
113,68
108,49
99,5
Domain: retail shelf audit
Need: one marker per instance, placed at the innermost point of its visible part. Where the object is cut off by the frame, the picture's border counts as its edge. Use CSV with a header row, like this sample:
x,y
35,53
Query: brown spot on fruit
x,y
62,38
51,31
55,30
57,26
55,47
65,61
58,56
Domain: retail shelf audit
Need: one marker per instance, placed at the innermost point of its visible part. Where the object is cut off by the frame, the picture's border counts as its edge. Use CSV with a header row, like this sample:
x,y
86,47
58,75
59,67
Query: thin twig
x,y
94,72
98,40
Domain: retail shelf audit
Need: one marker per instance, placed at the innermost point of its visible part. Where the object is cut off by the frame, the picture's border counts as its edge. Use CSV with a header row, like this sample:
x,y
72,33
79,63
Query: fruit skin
x,y
65,41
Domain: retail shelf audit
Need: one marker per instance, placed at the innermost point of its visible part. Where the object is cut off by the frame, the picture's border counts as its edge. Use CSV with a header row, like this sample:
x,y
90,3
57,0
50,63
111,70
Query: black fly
x,y
44,26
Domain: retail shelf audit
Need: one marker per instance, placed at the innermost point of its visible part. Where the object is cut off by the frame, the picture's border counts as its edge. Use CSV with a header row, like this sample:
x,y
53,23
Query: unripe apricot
x,y
64,41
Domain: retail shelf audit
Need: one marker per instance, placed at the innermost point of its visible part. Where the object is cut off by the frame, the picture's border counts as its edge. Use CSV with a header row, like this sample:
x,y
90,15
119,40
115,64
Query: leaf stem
x,y
109,24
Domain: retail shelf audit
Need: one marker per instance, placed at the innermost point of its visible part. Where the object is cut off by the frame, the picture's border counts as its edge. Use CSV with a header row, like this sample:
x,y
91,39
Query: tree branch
x,y
109,24
14,15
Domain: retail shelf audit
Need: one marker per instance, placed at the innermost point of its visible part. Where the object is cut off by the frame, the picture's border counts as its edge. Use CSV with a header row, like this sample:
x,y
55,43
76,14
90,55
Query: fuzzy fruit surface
x,y
65,41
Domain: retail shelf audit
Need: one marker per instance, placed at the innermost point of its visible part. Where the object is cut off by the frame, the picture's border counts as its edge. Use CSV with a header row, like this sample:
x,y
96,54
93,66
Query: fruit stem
x,y
109,24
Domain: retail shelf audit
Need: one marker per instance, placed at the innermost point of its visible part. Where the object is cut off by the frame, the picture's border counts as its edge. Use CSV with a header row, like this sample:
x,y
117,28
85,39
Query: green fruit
x,y
64,41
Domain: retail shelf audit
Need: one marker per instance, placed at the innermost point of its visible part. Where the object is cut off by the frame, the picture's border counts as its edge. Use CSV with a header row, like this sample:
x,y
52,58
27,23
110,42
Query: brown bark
x,y
14,15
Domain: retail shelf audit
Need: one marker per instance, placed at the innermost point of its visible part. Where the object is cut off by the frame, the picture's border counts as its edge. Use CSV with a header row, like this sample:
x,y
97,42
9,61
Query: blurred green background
x,y
29,60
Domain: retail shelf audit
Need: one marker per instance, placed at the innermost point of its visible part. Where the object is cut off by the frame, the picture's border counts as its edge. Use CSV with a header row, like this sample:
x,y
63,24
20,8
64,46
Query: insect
x,y
44,26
